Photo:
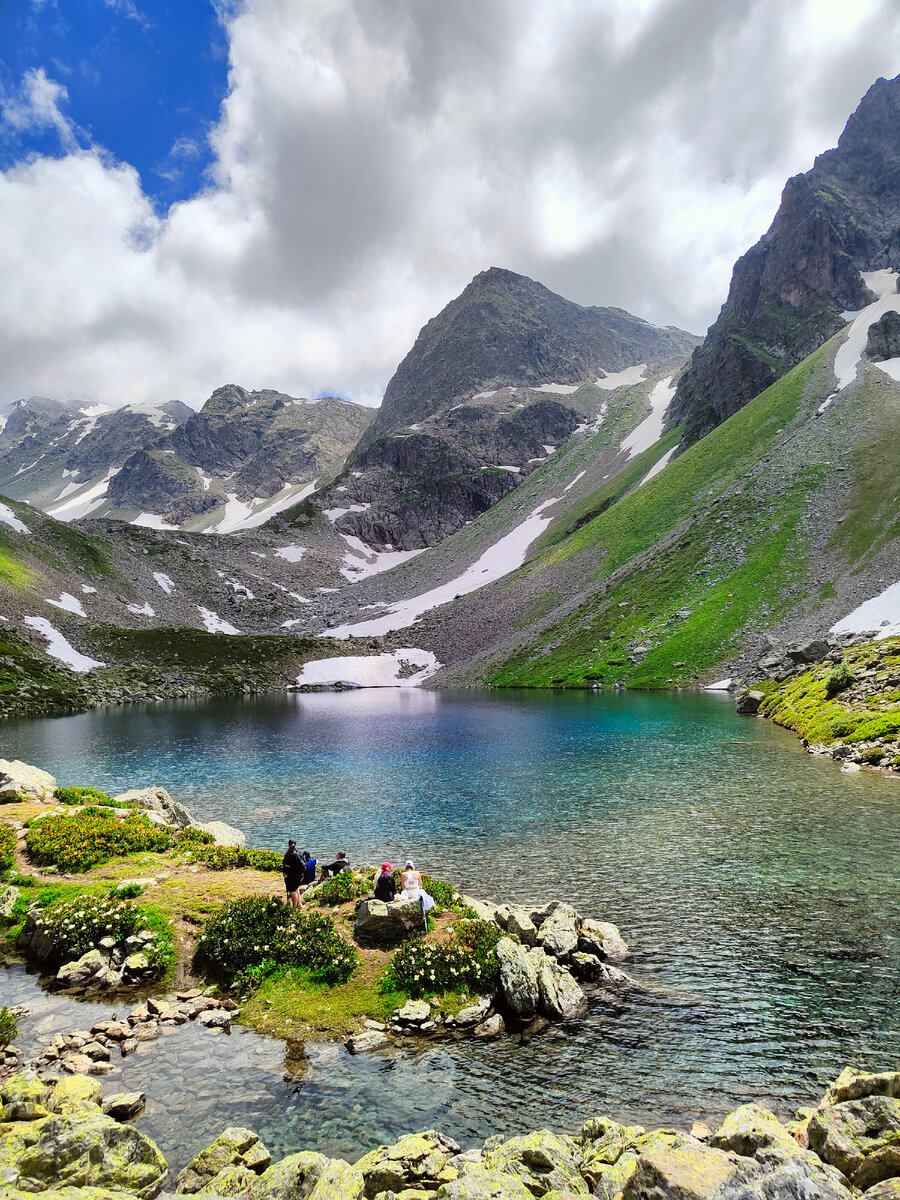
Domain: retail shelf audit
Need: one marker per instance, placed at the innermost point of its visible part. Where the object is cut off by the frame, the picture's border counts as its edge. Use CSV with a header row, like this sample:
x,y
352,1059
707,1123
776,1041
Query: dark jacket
x,y
385,888
292,870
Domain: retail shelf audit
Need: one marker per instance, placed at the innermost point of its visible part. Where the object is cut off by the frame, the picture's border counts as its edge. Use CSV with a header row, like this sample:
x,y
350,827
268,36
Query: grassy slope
x,y
685,565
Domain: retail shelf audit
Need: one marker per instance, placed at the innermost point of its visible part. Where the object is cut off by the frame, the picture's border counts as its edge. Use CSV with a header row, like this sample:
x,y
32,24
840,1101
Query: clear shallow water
x,y
758,888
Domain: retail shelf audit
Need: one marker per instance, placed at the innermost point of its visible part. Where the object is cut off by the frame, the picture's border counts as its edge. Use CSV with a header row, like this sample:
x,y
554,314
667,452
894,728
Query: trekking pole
x,y
424,916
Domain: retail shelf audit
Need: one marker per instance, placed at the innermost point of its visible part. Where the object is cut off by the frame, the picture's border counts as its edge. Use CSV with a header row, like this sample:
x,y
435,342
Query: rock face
x,y
19,779
561,997
518,978
231,1148
884,338
788,292
543,1161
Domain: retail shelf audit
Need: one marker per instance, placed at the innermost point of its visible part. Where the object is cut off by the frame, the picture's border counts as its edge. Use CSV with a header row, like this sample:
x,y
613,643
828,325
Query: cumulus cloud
x,y
372,155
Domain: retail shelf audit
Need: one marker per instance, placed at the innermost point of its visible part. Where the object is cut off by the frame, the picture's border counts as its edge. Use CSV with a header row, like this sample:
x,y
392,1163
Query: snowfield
x,y
650,429
60,648
879,615
402,668
8,517
849,355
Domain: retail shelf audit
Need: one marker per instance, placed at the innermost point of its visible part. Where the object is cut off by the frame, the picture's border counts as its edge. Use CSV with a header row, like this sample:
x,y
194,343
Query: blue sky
x,y
145,79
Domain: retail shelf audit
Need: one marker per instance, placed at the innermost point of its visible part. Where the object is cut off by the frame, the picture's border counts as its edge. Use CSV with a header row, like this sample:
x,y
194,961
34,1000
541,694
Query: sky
x,y
279,193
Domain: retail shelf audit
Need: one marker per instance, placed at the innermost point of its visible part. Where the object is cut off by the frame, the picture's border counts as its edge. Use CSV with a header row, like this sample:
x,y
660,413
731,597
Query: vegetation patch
x,y
343,887
7,848
230,858
81,840
467,961
76,925
85,795
8,1027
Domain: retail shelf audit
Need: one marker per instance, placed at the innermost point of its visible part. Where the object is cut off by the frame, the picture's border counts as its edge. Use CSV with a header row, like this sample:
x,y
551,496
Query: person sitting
x,y
292,870
385,885
411,882
309,871
341,863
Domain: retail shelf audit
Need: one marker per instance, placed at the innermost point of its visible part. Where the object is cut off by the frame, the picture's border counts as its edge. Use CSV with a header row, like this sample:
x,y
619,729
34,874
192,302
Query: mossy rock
x,y
542,1160
417,1159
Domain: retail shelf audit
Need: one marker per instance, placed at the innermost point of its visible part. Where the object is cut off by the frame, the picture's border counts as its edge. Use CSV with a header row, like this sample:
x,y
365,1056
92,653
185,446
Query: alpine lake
x,y
758,888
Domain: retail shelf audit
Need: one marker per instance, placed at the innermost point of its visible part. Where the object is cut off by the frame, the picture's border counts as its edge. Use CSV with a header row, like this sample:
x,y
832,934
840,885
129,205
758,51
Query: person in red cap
x,y
385,886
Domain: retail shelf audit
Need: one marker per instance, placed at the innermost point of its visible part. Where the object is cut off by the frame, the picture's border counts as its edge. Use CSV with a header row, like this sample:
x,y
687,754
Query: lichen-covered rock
x,y
518,978
603,939
519,924
377,920
122,1106
225,835
227,1150
18,778
23,1098
542,1161
157,800
69,1193
82,971
74,1091
888,1189
92,1150
483,909
879,1165
776,1175
417,1160
482,1184
603,1142
854,1085
310,1176
560,996
558,933
9,898
750,1128
844,1134
237,1180
666,1164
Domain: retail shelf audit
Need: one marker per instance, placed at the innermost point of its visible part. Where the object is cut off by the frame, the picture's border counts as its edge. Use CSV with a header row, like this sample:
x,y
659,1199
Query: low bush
x,y
838,680
84,795
344,886
76,926
8,1027
873,756
81,840
191,836
245,934
228,858
441,893
7,848
468,962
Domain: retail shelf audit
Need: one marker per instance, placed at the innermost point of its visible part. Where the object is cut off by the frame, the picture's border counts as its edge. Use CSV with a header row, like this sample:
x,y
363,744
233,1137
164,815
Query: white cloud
x,y
371,157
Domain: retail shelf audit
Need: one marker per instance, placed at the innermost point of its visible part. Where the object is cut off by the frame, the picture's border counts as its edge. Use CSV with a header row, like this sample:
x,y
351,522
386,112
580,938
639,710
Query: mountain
x,y
836,224
494,383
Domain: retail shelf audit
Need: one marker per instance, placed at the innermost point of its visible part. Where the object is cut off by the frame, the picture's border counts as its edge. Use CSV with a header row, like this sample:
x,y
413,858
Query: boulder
x,y
559,931
883,339
78,974
85,1149
809,652
877,1167
543,1161
750,1128
9,897
122,1106
23,1098
518,978
844,1135
853,1085
888,1189
775,1175
669,1164
75,1091
419,1160
748,702
519,924
311,1176
413,1012
473,1014
483,909
158,800
215,1018
366,1041
560,996
227,1150
137,967
603,1142
20,779
481,1184
603,939
377,920
225,835
490,1028
586,966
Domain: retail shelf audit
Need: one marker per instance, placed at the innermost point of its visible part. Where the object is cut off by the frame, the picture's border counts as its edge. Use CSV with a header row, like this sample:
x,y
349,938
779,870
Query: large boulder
x,y
158,800
419,1160
229,1149
518,978
603,1142
75,1091
883,340
888,1189
377,920
225,835
666,1165
775,1175
603,939
519,924
309,1176
543,1161
484,910
9,898
561,997
480,1184
853,1085
748,702
20,779
81,972
23,1097
85,1149
750,1128
558,933
844,1135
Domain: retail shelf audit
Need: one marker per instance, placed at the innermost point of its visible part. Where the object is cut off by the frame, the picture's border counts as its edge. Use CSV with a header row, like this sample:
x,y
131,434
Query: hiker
x,y
292,870
412,887
341,863
385,885
309,872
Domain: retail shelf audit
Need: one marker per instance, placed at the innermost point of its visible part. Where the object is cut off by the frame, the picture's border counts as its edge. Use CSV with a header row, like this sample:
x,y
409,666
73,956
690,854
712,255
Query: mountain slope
x,y
788,293
494,383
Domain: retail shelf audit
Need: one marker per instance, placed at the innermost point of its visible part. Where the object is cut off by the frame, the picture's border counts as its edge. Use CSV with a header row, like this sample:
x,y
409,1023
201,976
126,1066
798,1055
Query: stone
x,y
750,1128
226,1151
665,1163
603,1143
519,924
518,978
157,800
96,1052
586,966
888,1189
225,835
93,1150
136,967
144,1033
482,909
366,1041
559,931
472,1014
809,652
560,996
21,779
603,939
377,920
490,1028
854,1085
776,1175
311,1176
78,1064
74,1090
883,339
9,897
748,702
24,1097
216,1018
122,1106
257,1158
77,974
481,1184
541,1161
417,1160
845,1134
413,1012
878,1166
128,1046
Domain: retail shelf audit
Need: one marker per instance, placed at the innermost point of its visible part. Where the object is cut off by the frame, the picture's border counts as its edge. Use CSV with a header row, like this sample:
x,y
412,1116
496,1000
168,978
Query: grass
x,y
292,1004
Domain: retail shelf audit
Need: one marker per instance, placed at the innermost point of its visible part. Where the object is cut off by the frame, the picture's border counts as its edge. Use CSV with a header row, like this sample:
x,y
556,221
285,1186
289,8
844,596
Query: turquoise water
x,y
757,886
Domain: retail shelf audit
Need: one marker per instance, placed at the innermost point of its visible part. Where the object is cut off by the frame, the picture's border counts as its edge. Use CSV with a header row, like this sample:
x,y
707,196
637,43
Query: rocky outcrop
x,y
377,921
20,779
788,292
419,1160
233,1147
884,338
518,978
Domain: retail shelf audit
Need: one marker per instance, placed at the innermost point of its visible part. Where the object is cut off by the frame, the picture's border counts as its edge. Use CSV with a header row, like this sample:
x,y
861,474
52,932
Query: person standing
x,y
292,870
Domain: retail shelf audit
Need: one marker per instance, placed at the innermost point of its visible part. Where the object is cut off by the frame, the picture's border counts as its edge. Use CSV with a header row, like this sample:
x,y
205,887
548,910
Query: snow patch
x,y
650,429
658,466
164,582
214,623
151,521
83,501
239,515
60,648
334,513
627,378
850,352
88,591
8,517
479,396
558,389
364,561
69,603
402,668
572,482
141,610
890,366
721,685
290,553
879,615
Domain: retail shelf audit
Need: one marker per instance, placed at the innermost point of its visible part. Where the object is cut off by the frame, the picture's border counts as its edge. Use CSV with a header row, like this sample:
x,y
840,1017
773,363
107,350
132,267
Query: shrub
x,y
468,962
244,934
228,858
83,795
76,926
191,836
128,891
441,893
873,756
7,848
81,840
838,680
340,888
8,1027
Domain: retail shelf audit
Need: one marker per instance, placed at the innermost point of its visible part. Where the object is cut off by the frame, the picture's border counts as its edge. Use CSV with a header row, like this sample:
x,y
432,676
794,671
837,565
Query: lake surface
x,y
757,887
